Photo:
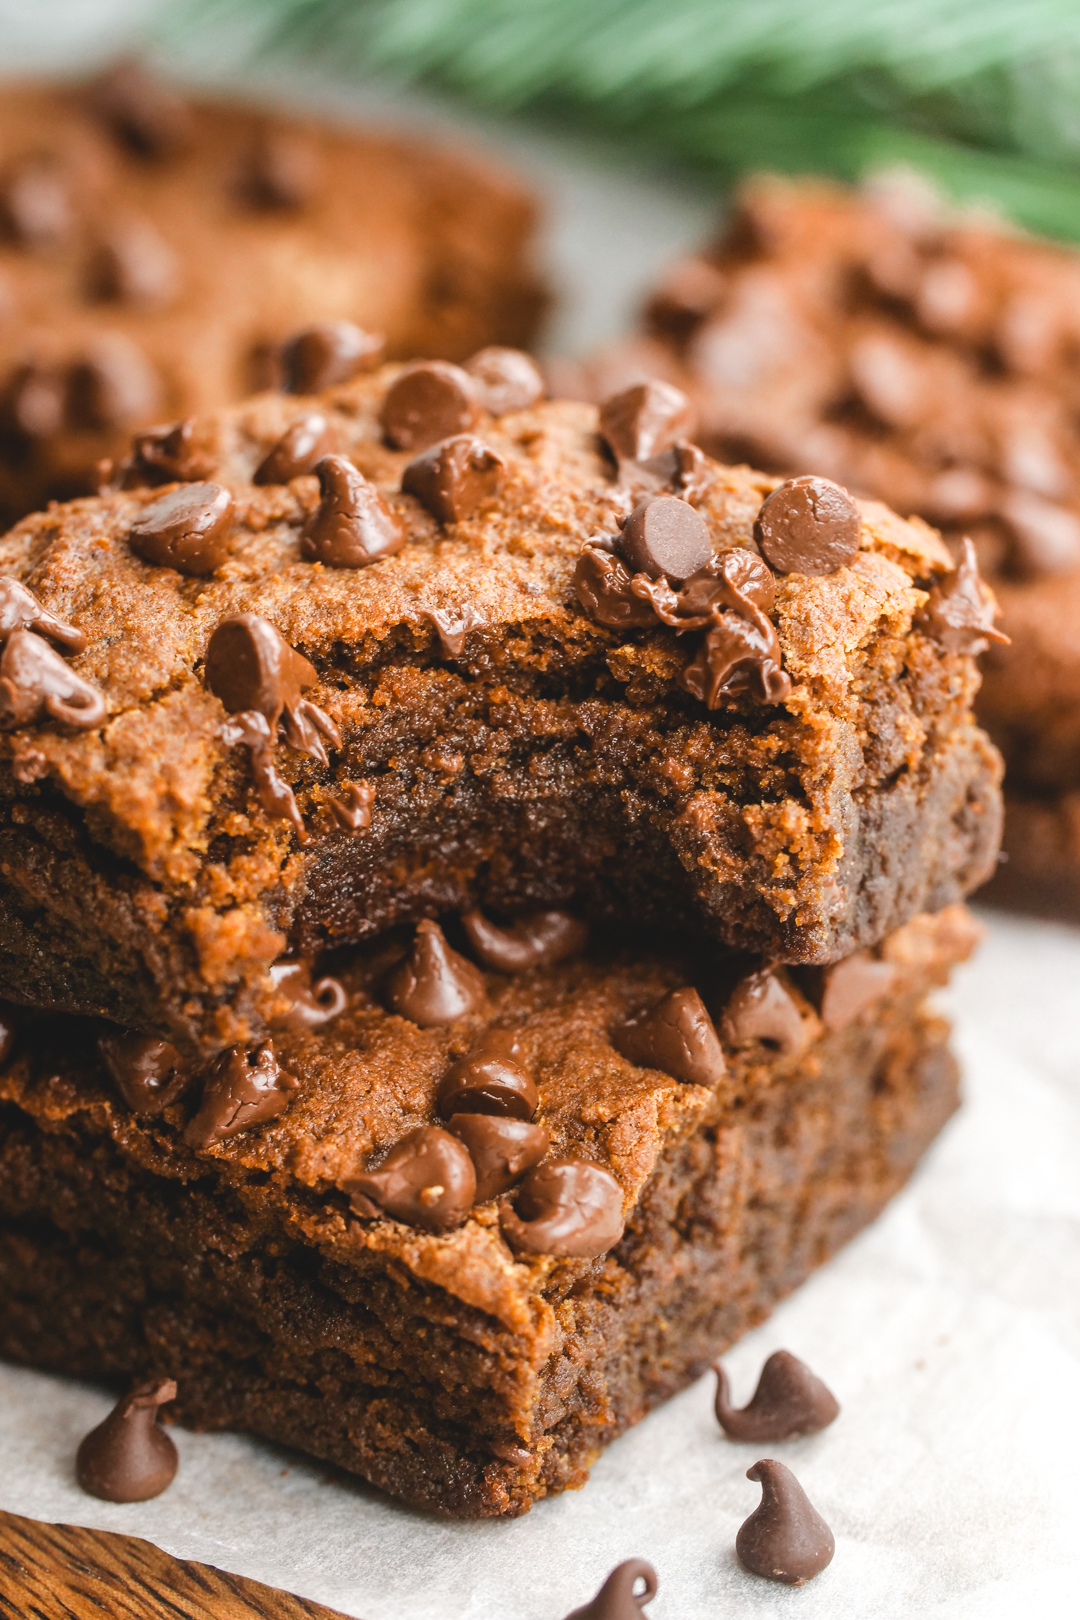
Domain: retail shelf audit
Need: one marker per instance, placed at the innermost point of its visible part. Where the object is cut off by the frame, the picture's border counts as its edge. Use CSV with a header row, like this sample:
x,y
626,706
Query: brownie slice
x,y
314,708
459,1257
156,252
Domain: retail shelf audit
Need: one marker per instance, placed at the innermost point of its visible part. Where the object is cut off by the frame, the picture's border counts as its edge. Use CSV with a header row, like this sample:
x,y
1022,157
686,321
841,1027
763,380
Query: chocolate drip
x,y
960,612
785,1538
540,939
252,730
352,810
129,1457
789,1400
250,666
452,625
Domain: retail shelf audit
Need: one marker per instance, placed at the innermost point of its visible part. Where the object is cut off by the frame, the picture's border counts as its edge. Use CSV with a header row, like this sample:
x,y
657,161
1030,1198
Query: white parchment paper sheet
x,y
950,1333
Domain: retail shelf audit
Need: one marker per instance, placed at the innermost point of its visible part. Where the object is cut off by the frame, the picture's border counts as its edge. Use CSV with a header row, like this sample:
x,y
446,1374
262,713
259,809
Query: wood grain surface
x,y
58,1572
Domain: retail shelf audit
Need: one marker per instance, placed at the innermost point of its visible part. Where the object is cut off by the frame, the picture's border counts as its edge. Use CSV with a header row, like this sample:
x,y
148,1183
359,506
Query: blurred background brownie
x,y
156,251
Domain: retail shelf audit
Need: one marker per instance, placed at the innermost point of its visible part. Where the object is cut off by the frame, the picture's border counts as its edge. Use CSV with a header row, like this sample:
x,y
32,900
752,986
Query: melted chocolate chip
x,y
332,352
129,1457
35,209
502,1150
684,467
505,380
300,448
163,455
604,589
352,810
677,1037
429,402
737,655
566,1207
808,526
645,420
427,1180
35,684
114,385
455,477
352,525
664,537
761,1008
187,529
250,666
133,265
541,939
149,1074
452,625
144,113
960,612
784,1539
789,1400
313,1005
618,1598
488,1080
242,1090
251,730
280,171
21,610
434,984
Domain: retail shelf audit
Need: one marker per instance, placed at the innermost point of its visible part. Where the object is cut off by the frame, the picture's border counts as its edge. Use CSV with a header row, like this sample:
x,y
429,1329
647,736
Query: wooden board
x,y
58,1572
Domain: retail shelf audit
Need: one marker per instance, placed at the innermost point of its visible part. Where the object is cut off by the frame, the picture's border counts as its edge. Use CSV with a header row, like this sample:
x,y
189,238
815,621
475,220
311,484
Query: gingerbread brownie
x,y
157,250
457,1229
927,359
524,665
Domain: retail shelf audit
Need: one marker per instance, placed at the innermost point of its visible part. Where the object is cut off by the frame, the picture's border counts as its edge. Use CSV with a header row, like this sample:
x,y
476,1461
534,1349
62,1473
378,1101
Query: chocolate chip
x,y
352,526
251,730
739,654
329,353
300,447
35,683
455,477
434,984
242,1090
429,402
313,1005
144,113
789,1400
489,1079
250,666
566,1207
761,1008
134,265
604,589
502,1150
808,526
427,1180
34,402
164,455
352,810
35,209
646,419
452,626
664,537
129,1457
114,385
784,1539
149,1073
848,989
618,1598
509,1451
506,380
280,171
21,610
187,529
540,939
684,467
960,612
677,1037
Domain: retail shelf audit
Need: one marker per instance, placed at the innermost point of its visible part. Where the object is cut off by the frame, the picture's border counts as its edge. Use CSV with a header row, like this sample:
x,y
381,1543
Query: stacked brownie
x,y
928,359
472,870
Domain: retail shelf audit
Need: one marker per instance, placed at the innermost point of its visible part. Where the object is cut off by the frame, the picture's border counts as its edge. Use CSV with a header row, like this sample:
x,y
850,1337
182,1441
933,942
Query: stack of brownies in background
x,y
472,873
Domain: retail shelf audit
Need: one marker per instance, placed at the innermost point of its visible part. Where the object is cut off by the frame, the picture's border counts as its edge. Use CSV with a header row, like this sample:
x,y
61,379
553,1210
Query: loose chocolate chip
x,y
280,171
301,446
604,589
618,1598
35,209
489,1079
434,985
646,419
34,402
352,811
540,939
566,1207
114,385
452,625
9,1031
808,526
143,112
242,1090
163,455
149,1074
761,1008
352,525
789,1400
129,1457
313,1005
187,529
506,380
429,402
35,683
677,1037
427,1180
134,265
664,537
960,612
329,353
502,1150
739,654
784,1539
21,610
850,988
455,477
